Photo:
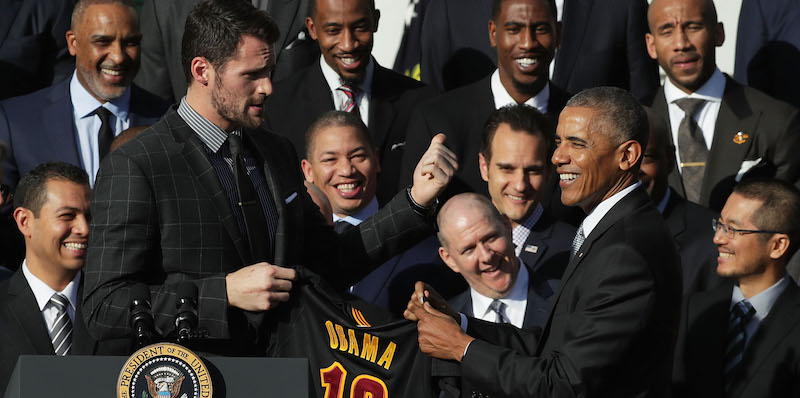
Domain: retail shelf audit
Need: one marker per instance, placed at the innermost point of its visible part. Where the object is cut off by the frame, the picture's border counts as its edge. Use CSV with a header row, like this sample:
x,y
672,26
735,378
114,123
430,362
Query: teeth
x,y
526,62
726,255
75,246
111,72
348,61
346,187
512,197
568,176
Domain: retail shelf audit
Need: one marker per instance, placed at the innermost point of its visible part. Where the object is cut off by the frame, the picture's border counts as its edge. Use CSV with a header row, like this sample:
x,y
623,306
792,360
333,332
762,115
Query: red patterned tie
x,y
350,105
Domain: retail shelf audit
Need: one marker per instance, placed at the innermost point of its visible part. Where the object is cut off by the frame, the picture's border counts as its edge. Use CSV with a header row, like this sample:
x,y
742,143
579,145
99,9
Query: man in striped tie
x,y
39,305
744,340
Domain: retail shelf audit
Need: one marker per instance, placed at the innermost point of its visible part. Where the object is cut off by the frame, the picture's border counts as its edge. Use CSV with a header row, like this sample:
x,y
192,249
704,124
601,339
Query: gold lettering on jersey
x,y
347,342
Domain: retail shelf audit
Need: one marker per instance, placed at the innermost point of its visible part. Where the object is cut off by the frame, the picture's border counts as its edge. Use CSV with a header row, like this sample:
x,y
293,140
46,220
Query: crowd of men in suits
x,y
630,238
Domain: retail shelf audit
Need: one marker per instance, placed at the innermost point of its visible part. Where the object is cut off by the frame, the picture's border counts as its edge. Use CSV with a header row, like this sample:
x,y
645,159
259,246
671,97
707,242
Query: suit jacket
x,y
160,216
163,23
773,130
25,332
602,44
33,45
302,98
771,361
461,115
690,225
612,328
35,139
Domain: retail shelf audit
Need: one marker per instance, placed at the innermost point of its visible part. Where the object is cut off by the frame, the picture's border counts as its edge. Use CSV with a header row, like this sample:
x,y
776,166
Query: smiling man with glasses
x,y
743,340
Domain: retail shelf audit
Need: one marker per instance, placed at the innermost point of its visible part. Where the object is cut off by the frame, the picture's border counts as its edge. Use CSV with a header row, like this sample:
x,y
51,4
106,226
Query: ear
x,y
650,41
72,42
310,27
630,152
445,256
24,219
719,34
778,246
484,167
306,166
492,32
201,69
377,16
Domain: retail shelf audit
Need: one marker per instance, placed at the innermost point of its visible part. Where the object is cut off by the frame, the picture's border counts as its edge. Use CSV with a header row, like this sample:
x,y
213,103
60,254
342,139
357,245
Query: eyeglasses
x,y
730,232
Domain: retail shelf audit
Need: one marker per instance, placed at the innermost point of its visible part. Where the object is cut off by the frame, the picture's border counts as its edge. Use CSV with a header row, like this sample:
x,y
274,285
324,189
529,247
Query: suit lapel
x,y
676,223
7,17
381,111
782,319
283,12
463,303
82,342
318,93
194,152
535,245
577,13
726,156
22,305
660,107
706,338
60,119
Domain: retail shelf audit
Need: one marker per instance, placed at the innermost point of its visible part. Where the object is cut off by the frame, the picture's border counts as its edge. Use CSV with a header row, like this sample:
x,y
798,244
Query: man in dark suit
x,y
525,36
162,66
744,340
205,195
688,222
721,129
612,328
40,308
514,161
76,120
347,78
33,47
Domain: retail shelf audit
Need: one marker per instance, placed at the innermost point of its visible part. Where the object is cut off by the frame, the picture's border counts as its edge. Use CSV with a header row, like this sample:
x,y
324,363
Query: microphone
x,y
141,318
186,320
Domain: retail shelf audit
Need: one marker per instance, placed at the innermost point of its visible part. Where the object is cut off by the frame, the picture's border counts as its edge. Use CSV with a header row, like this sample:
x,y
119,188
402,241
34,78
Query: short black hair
x,y
521,118
32,189
83,5
313,7
779,210
336,119
214,29
551,4
621,117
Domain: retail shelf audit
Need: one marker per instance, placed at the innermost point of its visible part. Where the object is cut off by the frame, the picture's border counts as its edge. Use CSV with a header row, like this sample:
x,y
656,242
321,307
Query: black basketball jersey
x,y
354,349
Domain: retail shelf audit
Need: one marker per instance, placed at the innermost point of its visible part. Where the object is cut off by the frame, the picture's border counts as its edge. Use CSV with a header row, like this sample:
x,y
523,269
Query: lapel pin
x,y
531,249
740,138
580,255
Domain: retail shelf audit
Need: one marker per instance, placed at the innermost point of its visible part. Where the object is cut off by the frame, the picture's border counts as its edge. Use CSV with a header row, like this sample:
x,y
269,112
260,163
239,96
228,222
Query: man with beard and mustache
x,y
206,196
76,120
347,78
722,130
525,35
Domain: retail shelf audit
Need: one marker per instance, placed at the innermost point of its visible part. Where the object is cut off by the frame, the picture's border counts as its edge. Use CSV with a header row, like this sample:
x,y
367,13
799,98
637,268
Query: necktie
x,y
576,243
692,148
106,133
255,223
341,226
61,332
351,92
734,350
499,309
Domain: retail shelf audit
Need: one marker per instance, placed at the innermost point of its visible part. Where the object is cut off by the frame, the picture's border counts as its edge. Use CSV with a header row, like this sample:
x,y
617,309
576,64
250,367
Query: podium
x,y
39,376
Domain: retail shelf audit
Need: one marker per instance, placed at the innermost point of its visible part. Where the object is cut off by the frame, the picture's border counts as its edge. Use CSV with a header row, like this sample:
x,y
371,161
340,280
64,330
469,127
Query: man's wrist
x,y
425,211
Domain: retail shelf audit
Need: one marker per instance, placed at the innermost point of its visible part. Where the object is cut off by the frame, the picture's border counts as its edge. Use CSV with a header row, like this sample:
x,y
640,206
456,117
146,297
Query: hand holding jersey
x,y
440,336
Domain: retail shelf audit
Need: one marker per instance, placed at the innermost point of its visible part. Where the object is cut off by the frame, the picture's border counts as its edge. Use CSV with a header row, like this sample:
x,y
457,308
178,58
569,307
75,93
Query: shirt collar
x,y
663,203
363,214
763,301
597,214
518,293
503,98
521,232
712,90
43,292
84,104
211,134
335,81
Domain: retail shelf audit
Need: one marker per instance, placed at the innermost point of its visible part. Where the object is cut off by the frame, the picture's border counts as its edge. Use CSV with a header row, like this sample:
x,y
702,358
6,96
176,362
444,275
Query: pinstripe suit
x,y
161,216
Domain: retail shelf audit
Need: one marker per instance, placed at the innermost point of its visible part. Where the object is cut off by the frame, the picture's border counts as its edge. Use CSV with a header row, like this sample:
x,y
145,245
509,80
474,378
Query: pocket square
x,y
291,198
745,167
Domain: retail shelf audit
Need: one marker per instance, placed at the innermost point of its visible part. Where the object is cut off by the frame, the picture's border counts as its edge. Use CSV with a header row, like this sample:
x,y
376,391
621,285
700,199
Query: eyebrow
x,y
67,208
573,138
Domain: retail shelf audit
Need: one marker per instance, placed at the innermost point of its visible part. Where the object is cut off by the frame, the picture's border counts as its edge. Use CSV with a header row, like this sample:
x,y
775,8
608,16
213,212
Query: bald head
x,y
462,210
707,8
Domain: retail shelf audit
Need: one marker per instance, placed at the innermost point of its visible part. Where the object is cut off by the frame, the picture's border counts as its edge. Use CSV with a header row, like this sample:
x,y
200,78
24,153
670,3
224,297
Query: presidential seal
x,y
164,370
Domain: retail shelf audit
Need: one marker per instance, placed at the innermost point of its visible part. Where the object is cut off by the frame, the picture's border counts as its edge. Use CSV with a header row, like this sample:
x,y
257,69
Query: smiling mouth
x,y
726,255
567,177
75,246
527,62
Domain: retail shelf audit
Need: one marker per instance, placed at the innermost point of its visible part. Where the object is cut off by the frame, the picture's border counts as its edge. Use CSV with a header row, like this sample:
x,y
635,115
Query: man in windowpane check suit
x,y
206,196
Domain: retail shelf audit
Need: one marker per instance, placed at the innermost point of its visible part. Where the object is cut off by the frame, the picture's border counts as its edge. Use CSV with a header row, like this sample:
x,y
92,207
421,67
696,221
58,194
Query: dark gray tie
x,y
737,336
576,243
341,226
106,134
61,332
254,220
692,148
499,309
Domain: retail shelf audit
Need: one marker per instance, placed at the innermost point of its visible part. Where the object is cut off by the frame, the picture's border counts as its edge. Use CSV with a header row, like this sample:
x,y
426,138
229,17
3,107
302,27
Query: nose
x,y
116,53
681,40
520,181
346,167
559,156
485,254
527,39
80,226
719,237
264,86
348,42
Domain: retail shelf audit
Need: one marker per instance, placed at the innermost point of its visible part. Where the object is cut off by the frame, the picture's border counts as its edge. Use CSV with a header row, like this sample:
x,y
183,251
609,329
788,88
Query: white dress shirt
x,y
363,214
597,214
521,232
706,117
43,293
515,301
340,98
87,123
503,98
762,302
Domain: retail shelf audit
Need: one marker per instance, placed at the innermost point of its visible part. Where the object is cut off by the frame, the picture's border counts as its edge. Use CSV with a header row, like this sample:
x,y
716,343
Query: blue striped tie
x,y
737,336
61,332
